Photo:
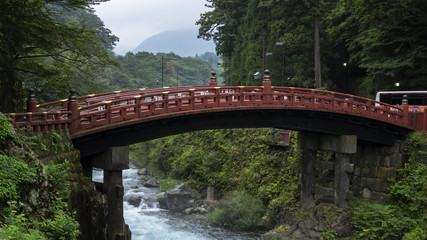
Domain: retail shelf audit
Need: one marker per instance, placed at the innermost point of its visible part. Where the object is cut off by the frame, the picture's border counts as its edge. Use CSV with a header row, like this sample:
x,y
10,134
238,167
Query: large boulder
x,y
162,202
152,182
135,200
142,171
179,198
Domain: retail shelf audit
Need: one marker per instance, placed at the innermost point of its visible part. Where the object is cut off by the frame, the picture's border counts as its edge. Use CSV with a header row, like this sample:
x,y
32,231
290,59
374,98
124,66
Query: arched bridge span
x,y
121,118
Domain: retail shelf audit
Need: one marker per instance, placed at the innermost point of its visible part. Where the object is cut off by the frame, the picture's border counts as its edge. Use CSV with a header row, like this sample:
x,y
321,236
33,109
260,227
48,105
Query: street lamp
x,y
267,54
163,59
177,82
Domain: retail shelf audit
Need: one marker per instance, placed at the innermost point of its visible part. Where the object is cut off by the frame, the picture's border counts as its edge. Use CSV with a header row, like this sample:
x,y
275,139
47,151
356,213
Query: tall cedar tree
x,y
37,43
366,45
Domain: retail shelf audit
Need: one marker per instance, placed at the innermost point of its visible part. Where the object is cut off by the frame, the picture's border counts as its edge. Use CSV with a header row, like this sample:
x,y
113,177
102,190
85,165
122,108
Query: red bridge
x,y
124,117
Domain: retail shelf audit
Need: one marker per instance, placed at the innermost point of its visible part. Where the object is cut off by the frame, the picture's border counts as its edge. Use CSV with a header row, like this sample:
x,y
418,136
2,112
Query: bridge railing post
x,y
31,101
405,110
424,121
108,113
267,92
73,107
213,82
192,98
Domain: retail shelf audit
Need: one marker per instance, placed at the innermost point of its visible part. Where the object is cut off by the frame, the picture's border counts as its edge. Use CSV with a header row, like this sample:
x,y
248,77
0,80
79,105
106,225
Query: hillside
x,y
183,42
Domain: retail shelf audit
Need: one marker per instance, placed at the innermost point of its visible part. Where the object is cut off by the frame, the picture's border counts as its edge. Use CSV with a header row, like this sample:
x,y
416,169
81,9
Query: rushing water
x,y
149,222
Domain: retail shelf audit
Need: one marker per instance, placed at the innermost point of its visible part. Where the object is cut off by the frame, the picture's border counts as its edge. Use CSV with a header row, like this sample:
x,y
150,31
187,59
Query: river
x,y
149,222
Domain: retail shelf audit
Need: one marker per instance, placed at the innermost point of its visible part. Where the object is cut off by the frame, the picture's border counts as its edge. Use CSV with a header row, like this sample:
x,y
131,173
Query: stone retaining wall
x,y
375,165
90,206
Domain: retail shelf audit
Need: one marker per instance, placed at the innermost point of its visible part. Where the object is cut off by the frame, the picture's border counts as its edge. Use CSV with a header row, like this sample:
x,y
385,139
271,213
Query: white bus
x,y
417,100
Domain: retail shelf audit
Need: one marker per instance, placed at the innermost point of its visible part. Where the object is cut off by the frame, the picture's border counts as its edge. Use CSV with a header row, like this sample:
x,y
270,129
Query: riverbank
x,y
233,160
149,222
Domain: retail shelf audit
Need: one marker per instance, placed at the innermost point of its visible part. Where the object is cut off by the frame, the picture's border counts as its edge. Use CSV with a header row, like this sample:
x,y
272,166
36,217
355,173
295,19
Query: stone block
x,y
396,160
357,171
366,193
386,172
349,167
386,161
378,185
324,165
375,161
319,190
115,158
363,182
371,150
365,172
379,196
340,144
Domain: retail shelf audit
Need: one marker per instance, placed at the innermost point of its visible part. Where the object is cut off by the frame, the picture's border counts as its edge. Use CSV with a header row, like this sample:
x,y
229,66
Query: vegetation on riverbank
x,y
33,194
405,215
240,163
257,182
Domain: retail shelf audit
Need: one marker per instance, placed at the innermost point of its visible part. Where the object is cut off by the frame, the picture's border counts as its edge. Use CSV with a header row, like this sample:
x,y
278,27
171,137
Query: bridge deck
x,y
86,115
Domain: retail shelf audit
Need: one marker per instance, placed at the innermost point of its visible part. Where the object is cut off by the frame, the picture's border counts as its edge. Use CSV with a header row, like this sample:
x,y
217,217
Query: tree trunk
x,y
11,92
317,71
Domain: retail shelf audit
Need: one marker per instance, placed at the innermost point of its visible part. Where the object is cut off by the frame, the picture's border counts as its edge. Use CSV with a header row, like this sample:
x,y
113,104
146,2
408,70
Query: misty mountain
x,y
182,42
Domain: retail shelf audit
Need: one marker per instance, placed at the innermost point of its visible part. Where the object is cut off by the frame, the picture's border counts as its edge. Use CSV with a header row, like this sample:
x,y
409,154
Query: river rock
x,y
179,198
142,171
152,182
196,210
162,202
134,200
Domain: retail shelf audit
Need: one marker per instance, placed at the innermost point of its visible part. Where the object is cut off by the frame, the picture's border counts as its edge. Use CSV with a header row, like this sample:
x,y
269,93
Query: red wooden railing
x,y
80,114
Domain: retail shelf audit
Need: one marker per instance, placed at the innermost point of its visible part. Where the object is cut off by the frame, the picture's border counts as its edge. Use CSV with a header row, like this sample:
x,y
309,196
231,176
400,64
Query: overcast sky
x,y
133,21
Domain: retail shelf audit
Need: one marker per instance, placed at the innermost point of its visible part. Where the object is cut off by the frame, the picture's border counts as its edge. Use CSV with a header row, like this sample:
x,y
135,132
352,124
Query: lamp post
x,y
177,81
163,59
269,53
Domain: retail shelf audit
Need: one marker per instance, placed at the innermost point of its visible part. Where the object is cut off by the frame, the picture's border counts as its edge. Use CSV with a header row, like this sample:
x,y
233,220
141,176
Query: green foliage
x,y
14,173
168,183
228,160
45,47
14,232
241,211
5,127
16,228
331,215
63,226
381,42
378,221
405,216
143,69
22,217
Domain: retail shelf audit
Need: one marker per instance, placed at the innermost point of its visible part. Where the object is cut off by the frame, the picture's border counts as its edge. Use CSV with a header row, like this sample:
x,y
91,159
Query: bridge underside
x,y
306,121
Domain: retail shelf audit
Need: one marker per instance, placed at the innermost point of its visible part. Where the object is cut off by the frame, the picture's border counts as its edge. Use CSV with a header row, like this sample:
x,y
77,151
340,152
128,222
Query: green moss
x,y
6,129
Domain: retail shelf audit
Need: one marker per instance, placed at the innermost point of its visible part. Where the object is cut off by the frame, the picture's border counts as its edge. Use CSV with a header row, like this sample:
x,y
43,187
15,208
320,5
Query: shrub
x,y
240,211
378,221
62,227
5,127
13,174
14,232
16,227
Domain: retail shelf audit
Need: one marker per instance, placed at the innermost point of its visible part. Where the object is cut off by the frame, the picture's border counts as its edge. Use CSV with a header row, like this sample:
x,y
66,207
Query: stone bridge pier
x,y
112,161
342,147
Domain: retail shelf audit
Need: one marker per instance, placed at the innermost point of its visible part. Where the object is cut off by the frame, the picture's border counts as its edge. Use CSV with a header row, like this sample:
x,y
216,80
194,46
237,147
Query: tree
x,y
386,39
39,45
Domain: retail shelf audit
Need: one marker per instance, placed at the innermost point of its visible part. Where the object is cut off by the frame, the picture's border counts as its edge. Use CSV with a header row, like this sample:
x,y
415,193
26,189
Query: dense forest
x,y
52,46
144,69
365,45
